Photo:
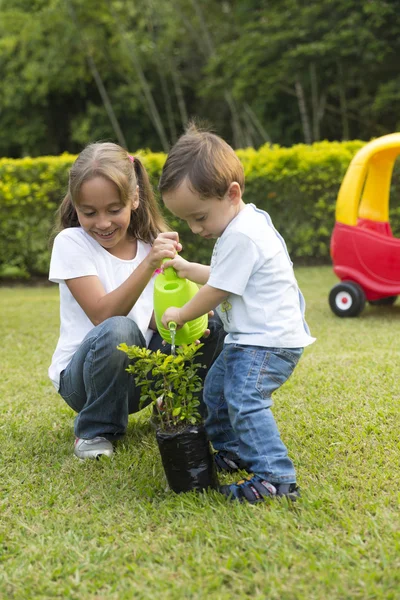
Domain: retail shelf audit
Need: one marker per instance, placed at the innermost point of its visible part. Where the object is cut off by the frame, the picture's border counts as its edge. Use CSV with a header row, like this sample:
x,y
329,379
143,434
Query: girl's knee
x,y
120,330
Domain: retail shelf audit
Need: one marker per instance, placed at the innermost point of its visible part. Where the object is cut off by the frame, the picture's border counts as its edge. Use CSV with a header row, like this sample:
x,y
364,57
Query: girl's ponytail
x,y
66,216
147,221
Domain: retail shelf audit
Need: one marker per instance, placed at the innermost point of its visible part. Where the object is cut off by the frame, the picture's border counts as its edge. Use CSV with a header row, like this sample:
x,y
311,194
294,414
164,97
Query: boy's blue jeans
x,y
96,385
237,393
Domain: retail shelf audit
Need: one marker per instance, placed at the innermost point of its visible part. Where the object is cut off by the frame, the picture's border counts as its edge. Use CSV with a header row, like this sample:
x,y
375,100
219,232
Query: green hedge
x,y
297,186
30,191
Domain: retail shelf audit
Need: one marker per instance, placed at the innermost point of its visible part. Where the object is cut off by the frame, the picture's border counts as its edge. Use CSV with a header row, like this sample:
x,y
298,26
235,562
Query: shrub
x,y
170,383
30,191
298,186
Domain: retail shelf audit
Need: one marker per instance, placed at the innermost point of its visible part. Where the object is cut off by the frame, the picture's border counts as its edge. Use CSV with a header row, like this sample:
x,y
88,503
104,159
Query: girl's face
x,y
208,218
102,214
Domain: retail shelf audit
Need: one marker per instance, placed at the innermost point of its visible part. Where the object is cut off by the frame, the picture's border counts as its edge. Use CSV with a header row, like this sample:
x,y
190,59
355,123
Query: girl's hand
x,y
166,245
181,266
207,331
172,314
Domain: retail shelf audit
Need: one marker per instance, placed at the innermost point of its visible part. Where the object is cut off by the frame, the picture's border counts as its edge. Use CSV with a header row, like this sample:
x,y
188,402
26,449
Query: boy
x,y
252,284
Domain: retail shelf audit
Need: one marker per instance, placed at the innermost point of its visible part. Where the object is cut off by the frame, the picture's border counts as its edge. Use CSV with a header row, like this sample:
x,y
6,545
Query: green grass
x,y
110,529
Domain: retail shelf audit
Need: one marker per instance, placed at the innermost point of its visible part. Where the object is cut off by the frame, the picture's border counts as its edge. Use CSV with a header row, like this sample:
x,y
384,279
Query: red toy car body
x,y
365,254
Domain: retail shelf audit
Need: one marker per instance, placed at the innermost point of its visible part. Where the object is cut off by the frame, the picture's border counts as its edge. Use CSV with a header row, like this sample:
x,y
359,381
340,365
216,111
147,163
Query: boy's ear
x,y
234,192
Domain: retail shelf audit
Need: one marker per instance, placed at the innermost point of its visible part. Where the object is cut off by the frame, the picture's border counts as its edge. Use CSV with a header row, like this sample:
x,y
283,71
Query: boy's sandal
x,y
255,489
228,462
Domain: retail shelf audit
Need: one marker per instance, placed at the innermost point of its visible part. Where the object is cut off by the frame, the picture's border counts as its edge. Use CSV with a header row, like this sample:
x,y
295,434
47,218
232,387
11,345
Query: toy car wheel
x,y
347,299
388,301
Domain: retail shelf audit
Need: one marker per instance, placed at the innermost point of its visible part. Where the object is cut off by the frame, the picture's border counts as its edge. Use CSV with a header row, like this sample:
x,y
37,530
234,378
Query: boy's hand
x,y
181,266
172,314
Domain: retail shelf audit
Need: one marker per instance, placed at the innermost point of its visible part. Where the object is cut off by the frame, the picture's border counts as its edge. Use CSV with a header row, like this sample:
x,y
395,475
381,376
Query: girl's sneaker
x,y
256,489
94,448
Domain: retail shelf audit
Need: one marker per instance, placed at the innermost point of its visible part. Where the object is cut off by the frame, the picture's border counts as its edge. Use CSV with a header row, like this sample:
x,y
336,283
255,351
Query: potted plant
x,y
170,383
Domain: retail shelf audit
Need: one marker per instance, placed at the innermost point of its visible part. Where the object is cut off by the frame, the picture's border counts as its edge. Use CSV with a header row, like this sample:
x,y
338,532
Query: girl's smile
x,y
105,236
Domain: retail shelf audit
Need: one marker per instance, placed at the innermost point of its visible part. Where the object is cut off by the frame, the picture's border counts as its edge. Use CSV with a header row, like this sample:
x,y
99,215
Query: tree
x,y
329,56
285,71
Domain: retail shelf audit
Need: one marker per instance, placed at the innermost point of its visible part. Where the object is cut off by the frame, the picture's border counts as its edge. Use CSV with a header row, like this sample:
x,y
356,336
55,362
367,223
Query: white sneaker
x,y
94,448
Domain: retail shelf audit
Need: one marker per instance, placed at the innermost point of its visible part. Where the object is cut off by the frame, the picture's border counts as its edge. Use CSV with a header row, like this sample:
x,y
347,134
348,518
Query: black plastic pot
x,y
187,459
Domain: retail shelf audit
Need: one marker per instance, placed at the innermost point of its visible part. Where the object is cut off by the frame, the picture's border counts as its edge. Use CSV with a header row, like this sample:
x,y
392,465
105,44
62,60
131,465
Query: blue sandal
x,y
229,462
256,489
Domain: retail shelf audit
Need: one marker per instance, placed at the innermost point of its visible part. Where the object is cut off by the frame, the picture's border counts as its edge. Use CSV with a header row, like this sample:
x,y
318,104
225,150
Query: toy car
x,y
365,254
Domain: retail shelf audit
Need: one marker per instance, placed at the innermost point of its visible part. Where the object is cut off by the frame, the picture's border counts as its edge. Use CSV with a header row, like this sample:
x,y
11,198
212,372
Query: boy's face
x,y
208,218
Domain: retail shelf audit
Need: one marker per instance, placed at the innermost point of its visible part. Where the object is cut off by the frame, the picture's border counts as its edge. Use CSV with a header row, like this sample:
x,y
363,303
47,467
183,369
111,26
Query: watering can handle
x,y
170,273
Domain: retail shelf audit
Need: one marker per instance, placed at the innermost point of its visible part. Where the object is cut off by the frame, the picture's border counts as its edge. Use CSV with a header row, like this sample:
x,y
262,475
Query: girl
x,y
111,240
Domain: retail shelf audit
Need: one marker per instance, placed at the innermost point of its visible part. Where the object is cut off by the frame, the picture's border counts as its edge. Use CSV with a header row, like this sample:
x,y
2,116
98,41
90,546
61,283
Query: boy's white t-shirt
x,y
76,254
265,306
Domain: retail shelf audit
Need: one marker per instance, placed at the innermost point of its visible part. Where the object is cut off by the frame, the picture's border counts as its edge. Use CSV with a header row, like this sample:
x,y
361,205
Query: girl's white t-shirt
x,y
76,254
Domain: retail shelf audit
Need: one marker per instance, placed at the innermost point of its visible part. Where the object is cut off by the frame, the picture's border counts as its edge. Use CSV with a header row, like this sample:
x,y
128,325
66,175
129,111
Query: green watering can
x,y
171,290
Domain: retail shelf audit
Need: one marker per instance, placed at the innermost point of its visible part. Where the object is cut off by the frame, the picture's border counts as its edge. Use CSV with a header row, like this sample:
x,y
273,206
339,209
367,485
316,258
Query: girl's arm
x,y
98,305
202,303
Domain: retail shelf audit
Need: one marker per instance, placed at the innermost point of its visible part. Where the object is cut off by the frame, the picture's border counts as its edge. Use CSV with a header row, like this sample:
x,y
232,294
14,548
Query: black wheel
x,y
347,299
388,301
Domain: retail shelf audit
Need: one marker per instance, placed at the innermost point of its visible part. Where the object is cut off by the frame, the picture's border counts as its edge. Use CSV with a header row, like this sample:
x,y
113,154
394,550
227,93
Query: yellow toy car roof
x,y
368,177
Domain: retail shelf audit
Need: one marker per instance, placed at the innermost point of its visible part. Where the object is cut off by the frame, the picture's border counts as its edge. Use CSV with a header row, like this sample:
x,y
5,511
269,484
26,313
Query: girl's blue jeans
x,y
237,393
96,385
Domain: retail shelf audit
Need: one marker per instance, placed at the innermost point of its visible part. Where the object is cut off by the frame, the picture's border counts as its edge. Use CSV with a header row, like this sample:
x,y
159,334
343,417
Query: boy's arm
x,y
202,303
189,270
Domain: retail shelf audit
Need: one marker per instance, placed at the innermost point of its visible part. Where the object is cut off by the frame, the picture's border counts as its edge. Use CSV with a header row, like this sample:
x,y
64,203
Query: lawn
x,y
110,530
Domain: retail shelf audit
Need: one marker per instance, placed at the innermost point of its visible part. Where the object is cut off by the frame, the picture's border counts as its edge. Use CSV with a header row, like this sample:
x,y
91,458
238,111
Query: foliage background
x,y
285,71
298,186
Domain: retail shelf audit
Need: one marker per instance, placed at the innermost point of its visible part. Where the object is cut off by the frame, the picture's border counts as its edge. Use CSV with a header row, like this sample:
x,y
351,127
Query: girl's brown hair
x,y
206,160
108,160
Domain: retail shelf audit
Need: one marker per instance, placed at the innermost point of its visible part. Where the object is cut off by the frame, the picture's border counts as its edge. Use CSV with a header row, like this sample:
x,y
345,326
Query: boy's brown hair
x,y
206,160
